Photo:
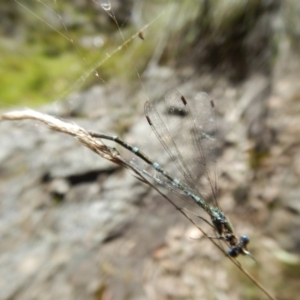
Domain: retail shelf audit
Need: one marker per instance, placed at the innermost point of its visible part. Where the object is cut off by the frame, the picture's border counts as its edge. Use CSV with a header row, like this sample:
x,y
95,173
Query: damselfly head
x,y
241,247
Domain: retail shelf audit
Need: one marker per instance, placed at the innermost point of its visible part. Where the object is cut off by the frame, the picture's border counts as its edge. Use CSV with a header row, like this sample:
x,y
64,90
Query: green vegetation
x,y
42,61
33,73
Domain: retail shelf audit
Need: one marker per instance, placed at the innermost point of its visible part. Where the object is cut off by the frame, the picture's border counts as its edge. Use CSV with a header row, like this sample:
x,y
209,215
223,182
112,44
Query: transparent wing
x,y
204,139
186,129
169,127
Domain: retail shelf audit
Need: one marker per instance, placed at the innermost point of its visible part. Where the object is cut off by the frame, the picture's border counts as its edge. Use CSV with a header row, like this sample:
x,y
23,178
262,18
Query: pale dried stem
x,y
72,129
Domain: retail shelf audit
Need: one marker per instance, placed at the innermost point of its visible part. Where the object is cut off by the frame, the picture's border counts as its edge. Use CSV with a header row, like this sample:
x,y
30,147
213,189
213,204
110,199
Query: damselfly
x,y
199,137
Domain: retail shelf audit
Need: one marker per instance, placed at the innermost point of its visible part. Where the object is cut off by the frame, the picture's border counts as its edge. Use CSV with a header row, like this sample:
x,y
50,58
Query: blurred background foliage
x,y
46,46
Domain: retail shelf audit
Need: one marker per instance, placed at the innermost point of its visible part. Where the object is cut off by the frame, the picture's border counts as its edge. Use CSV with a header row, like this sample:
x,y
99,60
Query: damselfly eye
x,y
234,252
244,240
